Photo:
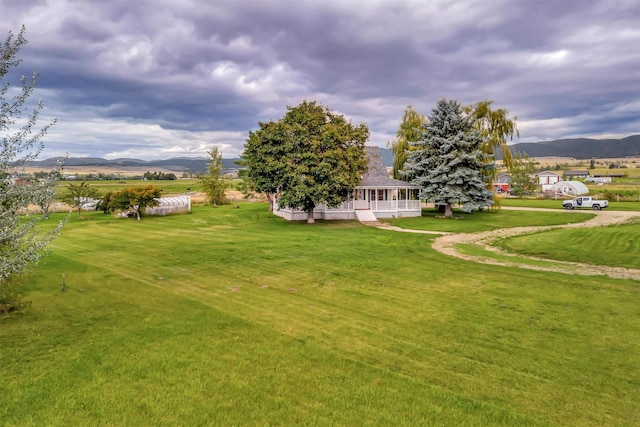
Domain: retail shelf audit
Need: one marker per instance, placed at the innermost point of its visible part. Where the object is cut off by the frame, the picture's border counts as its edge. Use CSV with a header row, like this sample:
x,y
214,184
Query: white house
x,y
379,196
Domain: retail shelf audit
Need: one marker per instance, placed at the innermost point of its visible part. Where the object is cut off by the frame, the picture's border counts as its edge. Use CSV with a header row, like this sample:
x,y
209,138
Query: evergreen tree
x,y
447,163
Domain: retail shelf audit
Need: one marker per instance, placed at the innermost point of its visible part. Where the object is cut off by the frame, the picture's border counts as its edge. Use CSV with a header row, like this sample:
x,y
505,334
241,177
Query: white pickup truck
x,y
587,202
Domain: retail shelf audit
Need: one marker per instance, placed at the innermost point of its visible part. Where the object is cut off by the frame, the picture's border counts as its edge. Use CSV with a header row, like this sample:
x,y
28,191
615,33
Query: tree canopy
x,y
212,182
265,153
80,195
410,130
22,243
523,180
495,127
309,156
447,162
136,198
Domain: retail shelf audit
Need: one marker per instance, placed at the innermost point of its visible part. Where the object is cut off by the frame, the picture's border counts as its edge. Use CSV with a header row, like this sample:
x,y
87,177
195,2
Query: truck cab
x,y
586,202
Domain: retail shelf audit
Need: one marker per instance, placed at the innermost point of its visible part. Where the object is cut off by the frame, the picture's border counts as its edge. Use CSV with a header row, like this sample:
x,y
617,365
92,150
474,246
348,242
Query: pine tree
x,y
447,163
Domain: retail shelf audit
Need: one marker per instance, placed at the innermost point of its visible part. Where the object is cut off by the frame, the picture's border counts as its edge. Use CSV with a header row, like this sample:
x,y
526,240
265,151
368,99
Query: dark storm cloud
x,y
155,79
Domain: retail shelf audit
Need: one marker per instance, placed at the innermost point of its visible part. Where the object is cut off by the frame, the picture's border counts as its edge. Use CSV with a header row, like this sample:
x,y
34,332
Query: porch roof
x,y
377,176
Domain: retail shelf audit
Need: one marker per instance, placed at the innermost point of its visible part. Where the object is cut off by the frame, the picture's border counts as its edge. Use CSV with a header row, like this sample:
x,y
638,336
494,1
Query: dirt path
x,y
447,242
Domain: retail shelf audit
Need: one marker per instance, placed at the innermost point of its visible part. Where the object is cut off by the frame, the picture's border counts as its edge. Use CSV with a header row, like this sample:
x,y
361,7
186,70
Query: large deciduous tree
x,y
136,198
309,156
22,242
212,183
265,154
410,130
448,163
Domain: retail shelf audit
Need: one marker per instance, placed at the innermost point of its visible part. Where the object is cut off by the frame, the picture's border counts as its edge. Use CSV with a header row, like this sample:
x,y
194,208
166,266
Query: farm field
x,y
231,316
178,186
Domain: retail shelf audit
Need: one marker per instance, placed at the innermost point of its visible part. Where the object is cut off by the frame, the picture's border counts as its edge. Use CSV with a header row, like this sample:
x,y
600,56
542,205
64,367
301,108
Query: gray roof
x,y
378,176
577,172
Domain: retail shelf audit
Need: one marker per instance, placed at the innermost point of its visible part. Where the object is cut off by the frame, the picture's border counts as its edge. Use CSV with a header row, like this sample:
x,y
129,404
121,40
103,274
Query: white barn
x,y
546,179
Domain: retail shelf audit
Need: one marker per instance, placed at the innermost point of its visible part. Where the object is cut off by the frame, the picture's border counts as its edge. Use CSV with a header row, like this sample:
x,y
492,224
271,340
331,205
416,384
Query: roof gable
x,y
377,175
546,173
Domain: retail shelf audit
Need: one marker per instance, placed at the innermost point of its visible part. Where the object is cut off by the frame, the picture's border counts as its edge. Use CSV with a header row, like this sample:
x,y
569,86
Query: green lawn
x,y
486,220
557,204
234,317
615,245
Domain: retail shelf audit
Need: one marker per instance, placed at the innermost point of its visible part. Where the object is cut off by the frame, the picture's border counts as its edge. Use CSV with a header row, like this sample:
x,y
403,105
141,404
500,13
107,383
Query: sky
x,y
159,79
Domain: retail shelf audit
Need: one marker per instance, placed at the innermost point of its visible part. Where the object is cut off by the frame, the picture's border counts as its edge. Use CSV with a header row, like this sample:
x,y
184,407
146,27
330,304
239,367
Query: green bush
x,y
620,195
10,299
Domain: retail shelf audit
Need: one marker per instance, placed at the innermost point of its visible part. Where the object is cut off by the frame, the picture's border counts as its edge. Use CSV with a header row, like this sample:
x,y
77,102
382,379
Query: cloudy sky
x,y
164,78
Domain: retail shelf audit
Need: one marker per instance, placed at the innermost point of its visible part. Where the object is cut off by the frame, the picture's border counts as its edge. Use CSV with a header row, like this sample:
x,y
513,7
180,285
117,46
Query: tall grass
x,y
232,316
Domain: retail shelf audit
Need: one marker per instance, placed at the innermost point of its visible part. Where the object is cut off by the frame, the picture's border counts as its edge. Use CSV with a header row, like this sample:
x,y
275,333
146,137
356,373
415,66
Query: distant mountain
x,y
177,164
579,148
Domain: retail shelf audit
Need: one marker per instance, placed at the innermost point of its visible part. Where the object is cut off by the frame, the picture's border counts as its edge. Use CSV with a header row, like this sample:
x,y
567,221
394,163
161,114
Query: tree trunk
x,y
310,219
448,211
270,200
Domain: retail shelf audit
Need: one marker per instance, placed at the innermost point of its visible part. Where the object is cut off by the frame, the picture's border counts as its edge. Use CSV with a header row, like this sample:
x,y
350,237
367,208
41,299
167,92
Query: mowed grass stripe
x,y
616,246
166,357
422,336
489,220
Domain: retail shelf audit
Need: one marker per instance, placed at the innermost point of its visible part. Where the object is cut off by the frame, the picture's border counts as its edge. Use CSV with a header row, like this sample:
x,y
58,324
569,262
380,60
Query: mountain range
x,y
579,148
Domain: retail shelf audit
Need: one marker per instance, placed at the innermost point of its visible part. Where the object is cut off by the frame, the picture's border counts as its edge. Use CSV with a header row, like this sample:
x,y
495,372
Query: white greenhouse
x,y
170,205
569,188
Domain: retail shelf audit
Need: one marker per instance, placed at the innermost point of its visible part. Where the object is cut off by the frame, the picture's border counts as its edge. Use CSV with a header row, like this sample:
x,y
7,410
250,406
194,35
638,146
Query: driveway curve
x,y
446,244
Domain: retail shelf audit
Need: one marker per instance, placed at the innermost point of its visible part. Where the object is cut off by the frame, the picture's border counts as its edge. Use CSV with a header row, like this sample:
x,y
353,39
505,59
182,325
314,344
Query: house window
x,y
382,195
372,195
